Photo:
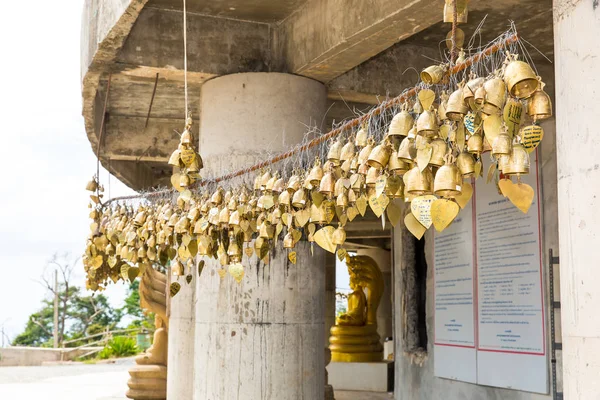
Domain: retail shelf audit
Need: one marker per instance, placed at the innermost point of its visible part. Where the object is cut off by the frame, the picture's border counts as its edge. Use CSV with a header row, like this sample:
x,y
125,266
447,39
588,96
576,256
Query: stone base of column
x,y
329,392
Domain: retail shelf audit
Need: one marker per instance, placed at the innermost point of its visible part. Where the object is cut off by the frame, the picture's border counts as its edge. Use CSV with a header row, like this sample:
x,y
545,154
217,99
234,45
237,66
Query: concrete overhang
x,y
359,49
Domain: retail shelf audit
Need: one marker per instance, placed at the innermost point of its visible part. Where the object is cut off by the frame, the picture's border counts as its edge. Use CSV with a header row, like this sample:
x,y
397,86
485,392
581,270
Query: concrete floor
x,y
92,382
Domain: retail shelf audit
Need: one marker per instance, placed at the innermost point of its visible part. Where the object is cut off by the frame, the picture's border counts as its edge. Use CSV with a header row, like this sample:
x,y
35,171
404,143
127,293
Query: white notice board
x,y
511,350
488,293
455,354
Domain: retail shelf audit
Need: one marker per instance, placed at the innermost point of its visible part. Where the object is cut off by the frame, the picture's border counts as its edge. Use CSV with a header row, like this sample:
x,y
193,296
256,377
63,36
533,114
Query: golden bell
x,y
288,241
234,218
432,75
518,163
175,159
299,199
186,137
347,152
234,249
520,78
372,176
294,184
279,186
427,124
404,151
395,187
335,152
380,155
466,164
363,169
327,184
462,12
352,196
439,151
502,144
357,181
257,183
217,197
361,137
271,182
264,179
396,165
417,182
316,173
539,105
503,161
364,154
339,187
479,98
318,215
342,199
401,124
184,180
495,92
456,108
224,216
442,107
470,90
448,181
284,198
475,144
266,230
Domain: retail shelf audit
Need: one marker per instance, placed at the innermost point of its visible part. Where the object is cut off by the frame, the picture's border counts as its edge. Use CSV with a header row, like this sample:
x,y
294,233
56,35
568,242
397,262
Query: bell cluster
x,y
428,159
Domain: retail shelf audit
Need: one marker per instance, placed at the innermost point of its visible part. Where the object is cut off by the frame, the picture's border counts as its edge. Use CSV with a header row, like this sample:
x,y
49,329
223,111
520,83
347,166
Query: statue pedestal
x,y
148,382
355,344
362,376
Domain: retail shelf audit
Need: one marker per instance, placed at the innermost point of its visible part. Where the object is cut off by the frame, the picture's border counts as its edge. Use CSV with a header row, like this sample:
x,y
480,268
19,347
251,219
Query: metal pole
x,y
55,330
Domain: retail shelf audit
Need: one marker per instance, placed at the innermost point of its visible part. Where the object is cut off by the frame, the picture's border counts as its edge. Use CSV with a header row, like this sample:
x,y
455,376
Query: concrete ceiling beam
x,y
326,38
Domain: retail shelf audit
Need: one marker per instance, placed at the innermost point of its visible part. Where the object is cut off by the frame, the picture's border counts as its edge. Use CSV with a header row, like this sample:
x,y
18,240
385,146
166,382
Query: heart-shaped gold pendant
x,y
465,196
324,238
237,271
414,226
443,212
421,209
520,194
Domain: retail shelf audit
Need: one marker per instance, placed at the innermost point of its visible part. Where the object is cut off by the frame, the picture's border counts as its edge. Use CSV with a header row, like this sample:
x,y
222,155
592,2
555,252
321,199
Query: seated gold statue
x,y
357,306
354,338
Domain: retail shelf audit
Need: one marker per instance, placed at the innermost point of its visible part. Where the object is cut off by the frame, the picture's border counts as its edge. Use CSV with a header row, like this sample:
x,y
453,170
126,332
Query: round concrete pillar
x,y
263,338
244,117
577,62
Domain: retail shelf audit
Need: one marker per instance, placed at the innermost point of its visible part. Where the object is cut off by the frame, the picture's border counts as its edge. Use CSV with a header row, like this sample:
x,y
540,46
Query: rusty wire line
x,y
384,106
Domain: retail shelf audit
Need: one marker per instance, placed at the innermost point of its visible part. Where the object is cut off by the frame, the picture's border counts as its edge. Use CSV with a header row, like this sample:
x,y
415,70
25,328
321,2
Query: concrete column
x,y
383,258
181,341
263,338
577,62
330,280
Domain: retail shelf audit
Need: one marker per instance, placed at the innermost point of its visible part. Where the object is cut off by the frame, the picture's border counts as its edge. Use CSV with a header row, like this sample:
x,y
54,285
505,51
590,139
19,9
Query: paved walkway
x,y
65,382
91,382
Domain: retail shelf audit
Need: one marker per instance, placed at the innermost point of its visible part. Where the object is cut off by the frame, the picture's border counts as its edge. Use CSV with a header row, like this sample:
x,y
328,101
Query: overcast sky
x,y
45,156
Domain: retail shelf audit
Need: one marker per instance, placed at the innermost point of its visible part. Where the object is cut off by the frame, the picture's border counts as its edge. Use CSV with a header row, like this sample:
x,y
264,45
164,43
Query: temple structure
x,y
261,73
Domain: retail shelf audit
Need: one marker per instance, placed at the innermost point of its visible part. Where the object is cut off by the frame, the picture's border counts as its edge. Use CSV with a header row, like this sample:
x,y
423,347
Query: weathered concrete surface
x,y
577,144
250,10
244,116
322,40
263,338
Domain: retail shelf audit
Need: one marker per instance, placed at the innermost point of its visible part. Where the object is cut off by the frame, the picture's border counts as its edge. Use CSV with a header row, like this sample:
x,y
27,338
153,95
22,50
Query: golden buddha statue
x,y
149,376
354,337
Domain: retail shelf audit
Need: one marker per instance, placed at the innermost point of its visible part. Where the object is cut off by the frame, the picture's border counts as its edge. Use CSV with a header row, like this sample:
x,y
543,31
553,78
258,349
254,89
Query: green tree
x,y
78,315
132,308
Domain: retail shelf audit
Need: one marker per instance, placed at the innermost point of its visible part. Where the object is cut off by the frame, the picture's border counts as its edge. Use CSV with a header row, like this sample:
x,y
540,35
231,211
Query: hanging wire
x,y
185,77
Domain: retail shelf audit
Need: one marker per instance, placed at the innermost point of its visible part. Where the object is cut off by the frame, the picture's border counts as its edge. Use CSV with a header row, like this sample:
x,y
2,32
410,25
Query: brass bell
x,y
432,75
427,124
342,199
502,143
352,196
234,249
266,230
495,92
401,123
363,169
318,215
470,90
299,199
479,98
284,198
335,152
175,159
316,173
448,180
503,161
518,163
234,218
288,241
456,108
294,184
372,176
186,137
364,154
439,151
357,181
327,184
417,182
394,188
475,144
396,165
339,187
380,155
224,216
257,183
184,180
279,186
462,11
271,182
466,164
264,179
347,152
539,105
520,78
361,137
442,107
217,197
404,151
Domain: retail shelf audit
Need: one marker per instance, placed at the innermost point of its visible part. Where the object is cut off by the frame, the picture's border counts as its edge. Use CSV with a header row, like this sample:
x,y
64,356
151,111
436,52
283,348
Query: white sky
x,y
45,156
